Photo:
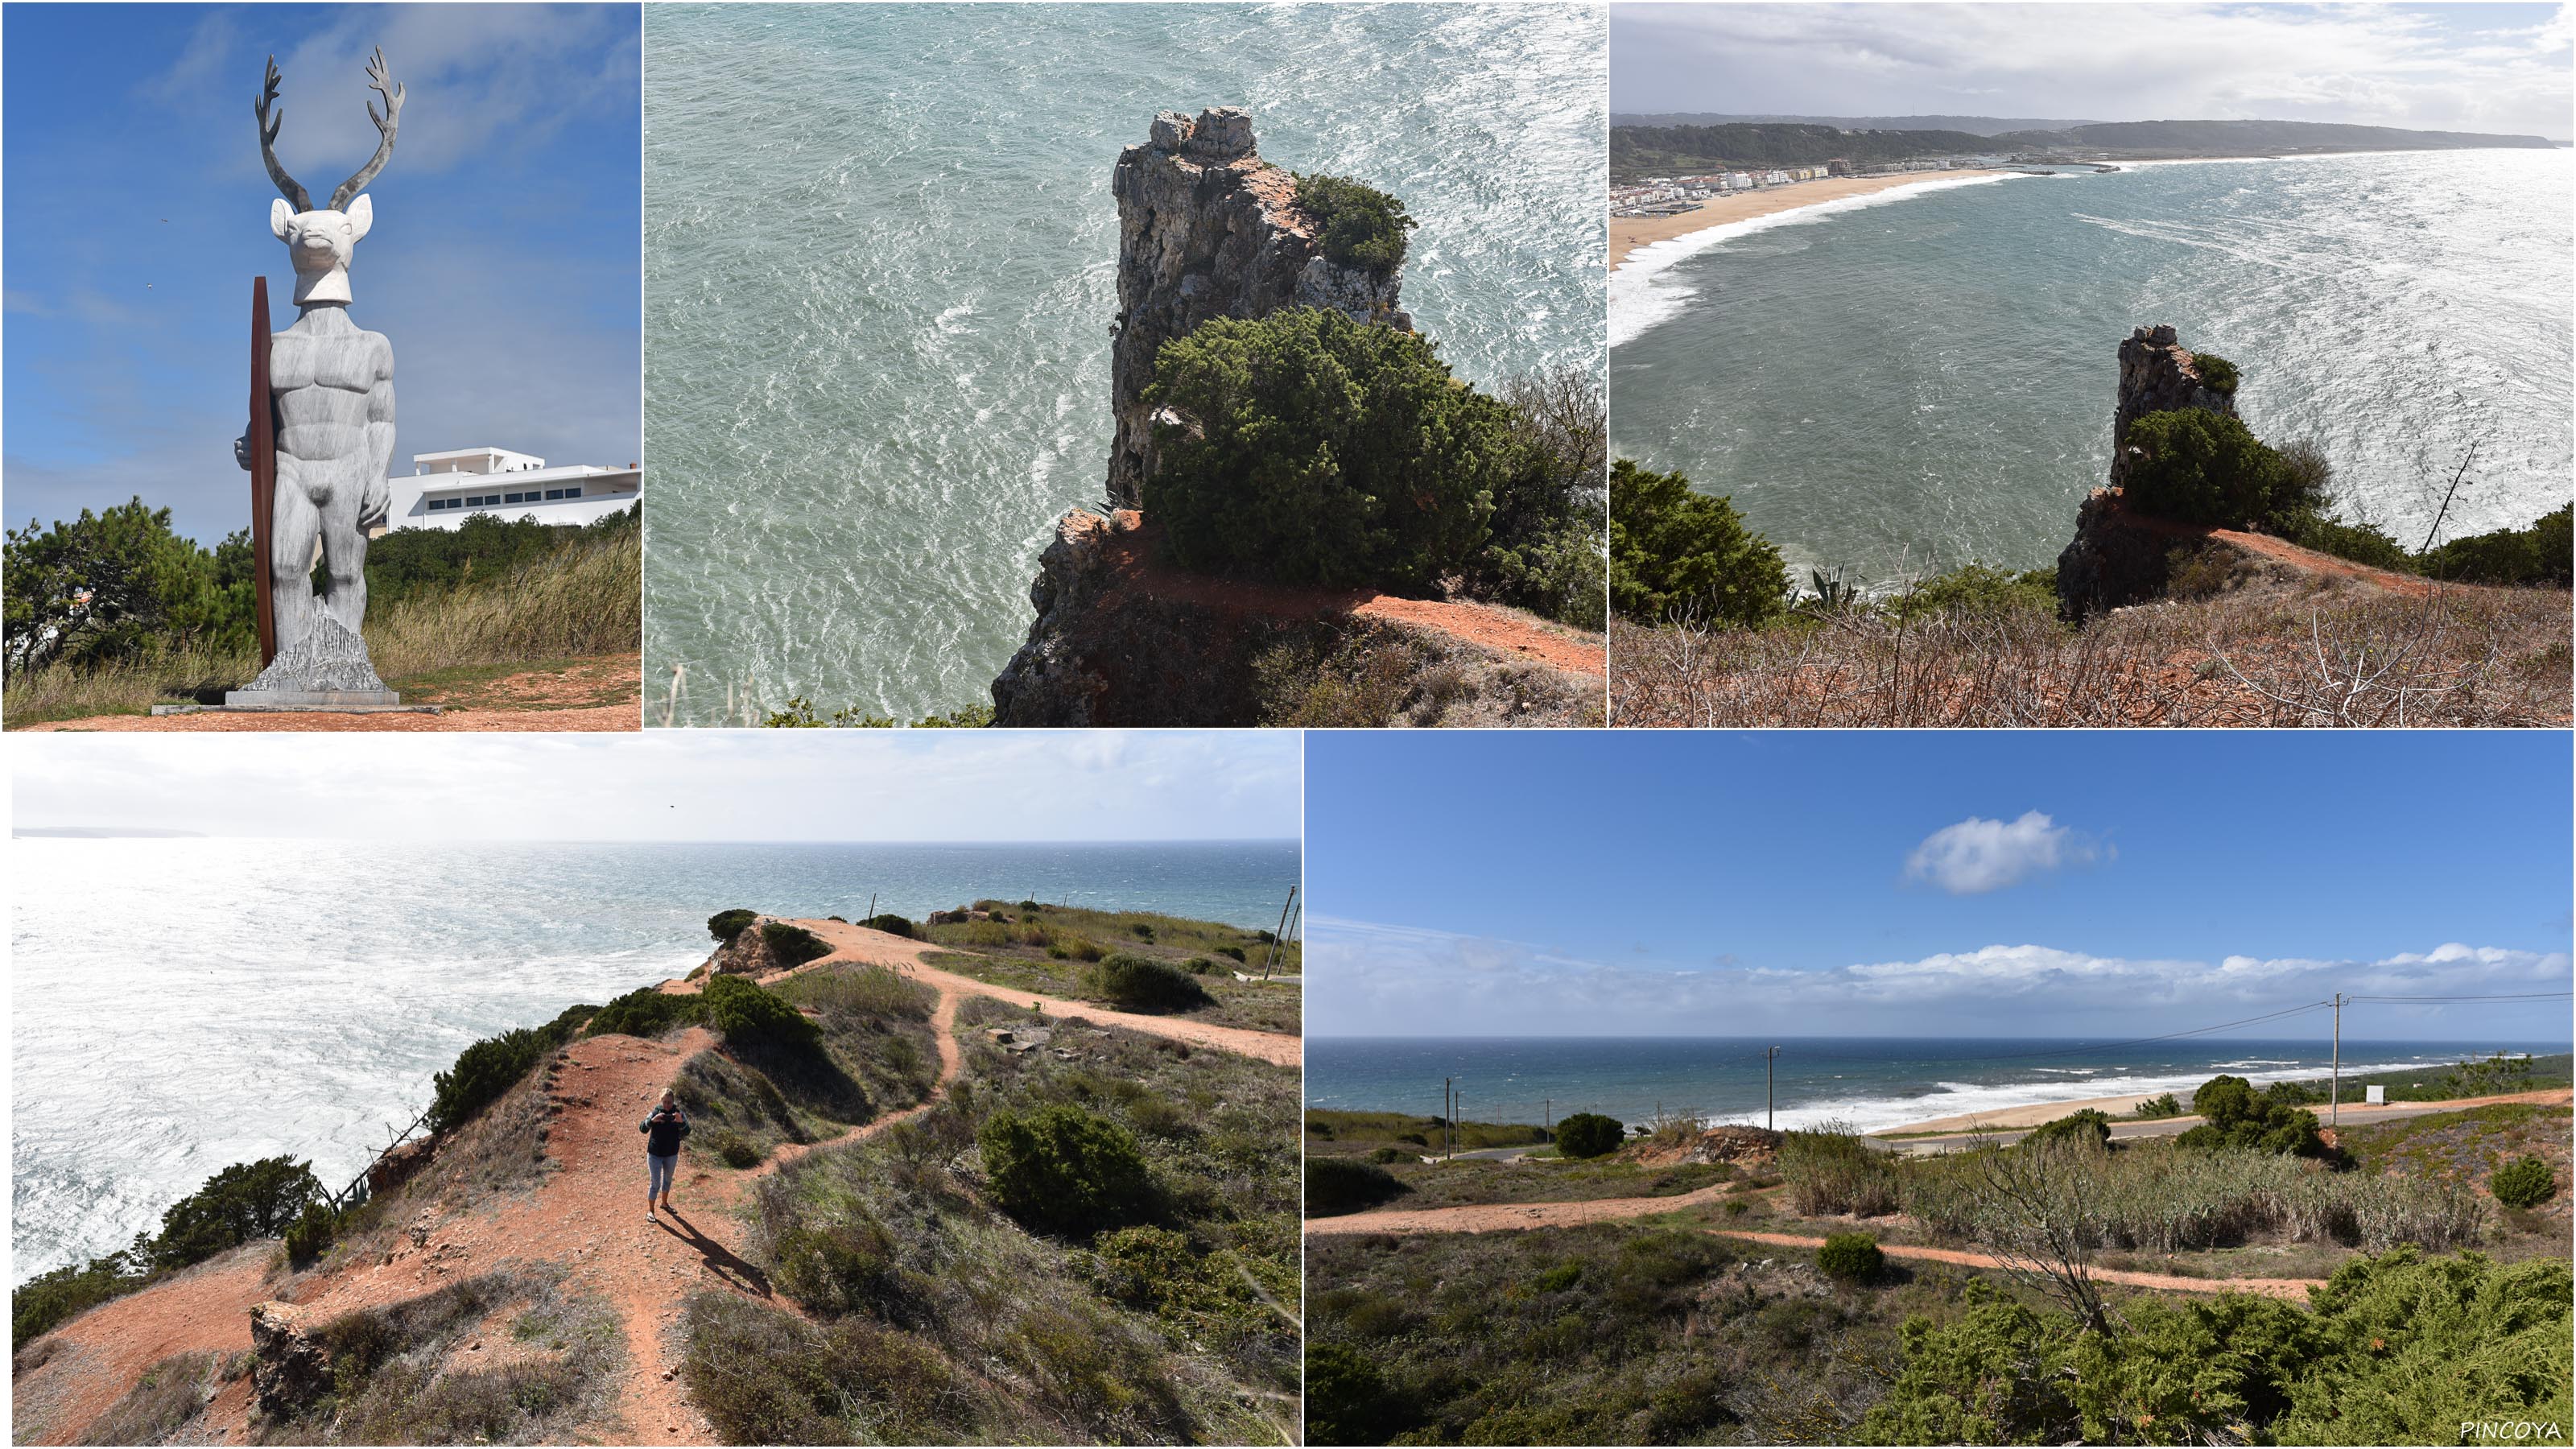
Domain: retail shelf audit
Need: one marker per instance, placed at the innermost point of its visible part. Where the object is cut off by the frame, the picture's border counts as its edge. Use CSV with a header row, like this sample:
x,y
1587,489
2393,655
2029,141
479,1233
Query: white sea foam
x,y
1643,293
1960,1099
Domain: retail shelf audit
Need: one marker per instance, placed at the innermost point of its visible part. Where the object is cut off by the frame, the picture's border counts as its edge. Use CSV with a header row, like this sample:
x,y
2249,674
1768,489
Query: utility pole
x,y
1449,1112
1273,953
1770,1074
2334,1093
1547,1113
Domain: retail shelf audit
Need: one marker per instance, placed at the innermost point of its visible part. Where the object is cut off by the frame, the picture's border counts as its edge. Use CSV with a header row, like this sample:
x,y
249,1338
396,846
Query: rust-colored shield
x,y
263,469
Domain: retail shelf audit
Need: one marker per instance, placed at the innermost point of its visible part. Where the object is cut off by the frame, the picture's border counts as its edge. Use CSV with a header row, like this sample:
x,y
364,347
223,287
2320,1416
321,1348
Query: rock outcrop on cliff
x,y
1208,229
1122,640
2117,559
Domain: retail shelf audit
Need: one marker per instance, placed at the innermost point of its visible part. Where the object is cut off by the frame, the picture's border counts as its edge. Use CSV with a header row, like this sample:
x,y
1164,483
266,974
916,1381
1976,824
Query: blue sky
x,y
2011,883
503,261
712,785
2495,68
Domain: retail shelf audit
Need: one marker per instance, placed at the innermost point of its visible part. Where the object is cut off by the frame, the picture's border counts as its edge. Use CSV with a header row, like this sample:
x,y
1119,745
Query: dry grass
x,y
586,600
2316,653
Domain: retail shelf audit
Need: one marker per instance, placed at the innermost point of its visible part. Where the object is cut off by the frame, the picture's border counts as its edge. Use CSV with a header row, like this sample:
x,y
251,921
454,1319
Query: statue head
x,y
322,241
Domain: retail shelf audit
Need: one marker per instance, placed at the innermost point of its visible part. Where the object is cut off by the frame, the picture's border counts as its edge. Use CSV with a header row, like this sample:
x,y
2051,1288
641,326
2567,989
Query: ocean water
x,y
1868,1081
1927,379
880,270
179,1005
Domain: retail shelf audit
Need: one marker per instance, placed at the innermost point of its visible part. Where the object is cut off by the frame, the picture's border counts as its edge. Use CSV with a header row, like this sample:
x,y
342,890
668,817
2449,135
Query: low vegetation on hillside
x,y
1094,1239
1357,225
1709,628
1170,965
2444,1306
113,613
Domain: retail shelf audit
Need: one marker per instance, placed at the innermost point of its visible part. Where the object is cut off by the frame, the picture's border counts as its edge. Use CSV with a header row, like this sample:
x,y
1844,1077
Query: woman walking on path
x,y
662,1128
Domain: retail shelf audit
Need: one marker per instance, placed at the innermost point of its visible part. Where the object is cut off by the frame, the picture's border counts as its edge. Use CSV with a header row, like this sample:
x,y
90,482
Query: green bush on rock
x,y
793,945
725,925
1318,450
1357,226
2201,467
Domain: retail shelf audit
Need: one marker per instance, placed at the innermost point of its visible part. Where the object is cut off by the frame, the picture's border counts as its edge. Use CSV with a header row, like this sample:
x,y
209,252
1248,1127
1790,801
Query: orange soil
x,y
586,1215
2279,550
1128,550
1506,1217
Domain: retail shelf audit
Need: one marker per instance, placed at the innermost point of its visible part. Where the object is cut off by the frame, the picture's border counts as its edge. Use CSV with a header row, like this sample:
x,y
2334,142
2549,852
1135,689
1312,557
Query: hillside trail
x,y
1506,1217
867,946
586,1215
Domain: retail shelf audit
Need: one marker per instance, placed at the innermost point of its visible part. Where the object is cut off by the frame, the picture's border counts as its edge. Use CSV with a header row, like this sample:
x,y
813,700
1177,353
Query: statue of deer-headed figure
x,y
333,387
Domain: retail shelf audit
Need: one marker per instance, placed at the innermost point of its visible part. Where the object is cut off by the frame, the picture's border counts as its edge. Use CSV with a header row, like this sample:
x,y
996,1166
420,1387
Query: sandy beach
x,y
2037,1113
1627,233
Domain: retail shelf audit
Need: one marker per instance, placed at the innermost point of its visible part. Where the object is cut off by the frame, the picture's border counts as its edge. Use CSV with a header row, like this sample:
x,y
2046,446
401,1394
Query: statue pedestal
x,y
318,701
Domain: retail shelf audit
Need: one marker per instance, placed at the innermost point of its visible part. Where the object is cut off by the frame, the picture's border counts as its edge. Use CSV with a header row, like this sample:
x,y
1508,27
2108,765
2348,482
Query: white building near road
x,y
445,489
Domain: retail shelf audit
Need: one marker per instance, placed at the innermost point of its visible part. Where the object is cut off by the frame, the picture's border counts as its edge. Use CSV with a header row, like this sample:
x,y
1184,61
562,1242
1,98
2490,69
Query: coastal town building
x,y
445,489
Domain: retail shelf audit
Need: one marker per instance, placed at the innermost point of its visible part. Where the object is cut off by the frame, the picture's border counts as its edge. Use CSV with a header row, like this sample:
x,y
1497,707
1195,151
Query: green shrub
x,y
730,1147
765,1376
1347,1400
725,925
1063,1170
243,1203
748,1014
1679,553
2398,1349
2157,1107
2086,1125
1142,930
2522,1183
1199,966
2208,468
1975,588
1851,1258
1338,1185
1545,550
2360,542
794,945
52,1298
1234,951
1357,226
1391,1154
892,925
647,1013
1139,984
1588,1134
488,1068
1832,1169
1318,450
2236,1116
1078,949
2538,554
310,1233
2216,372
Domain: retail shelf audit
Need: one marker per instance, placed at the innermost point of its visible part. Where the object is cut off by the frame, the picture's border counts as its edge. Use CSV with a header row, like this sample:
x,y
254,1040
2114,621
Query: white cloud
x,y
2461,70
1979,855
1364,978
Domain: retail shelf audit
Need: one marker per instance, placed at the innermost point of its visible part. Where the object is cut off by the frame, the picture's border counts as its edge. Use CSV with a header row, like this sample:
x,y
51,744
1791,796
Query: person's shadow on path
x,y
715,1257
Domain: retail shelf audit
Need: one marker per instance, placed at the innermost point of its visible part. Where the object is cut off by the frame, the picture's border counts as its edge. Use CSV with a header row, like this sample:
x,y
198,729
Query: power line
x,y
2523,996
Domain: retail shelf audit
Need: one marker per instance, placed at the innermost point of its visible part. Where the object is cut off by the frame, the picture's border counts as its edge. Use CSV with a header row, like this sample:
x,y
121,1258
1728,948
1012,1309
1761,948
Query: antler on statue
x,y
287,186
382,84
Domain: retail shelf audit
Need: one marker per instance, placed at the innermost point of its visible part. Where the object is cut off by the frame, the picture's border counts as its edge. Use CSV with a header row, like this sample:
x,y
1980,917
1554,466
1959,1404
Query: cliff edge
x,y
2117,557
1208,229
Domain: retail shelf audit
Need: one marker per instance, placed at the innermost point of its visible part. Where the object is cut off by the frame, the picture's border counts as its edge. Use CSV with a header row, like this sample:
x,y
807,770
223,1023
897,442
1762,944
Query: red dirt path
x,y
587,1214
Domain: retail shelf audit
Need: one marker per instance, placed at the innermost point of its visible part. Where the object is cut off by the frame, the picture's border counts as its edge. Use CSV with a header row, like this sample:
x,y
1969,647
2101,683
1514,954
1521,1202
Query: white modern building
x,y
445,489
